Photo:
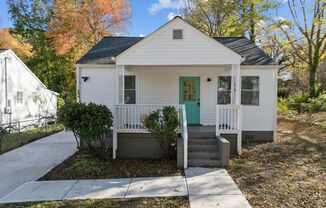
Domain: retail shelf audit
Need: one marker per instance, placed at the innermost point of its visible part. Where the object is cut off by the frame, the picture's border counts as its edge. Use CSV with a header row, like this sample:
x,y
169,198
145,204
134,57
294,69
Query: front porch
x,y
192,90
203,144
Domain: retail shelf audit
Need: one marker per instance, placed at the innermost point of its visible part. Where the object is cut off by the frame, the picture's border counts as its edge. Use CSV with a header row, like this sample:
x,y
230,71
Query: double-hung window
x,y
130,89
250,90
19,97
224,90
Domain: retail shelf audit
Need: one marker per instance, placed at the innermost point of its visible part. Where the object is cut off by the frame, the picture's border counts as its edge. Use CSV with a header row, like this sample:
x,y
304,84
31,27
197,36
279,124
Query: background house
x,y
23,97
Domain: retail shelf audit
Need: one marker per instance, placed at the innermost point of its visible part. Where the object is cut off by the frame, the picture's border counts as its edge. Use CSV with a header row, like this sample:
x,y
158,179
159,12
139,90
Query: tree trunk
x,y
312,80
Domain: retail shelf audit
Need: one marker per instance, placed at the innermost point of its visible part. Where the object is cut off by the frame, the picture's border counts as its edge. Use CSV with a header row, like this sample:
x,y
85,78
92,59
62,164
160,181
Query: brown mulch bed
x,y
290,172
171,202
83,165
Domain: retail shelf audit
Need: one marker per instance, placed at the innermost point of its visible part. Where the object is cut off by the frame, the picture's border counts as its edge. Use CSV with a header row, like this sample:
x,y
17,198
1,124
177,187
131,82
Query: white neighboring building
x,y
22,95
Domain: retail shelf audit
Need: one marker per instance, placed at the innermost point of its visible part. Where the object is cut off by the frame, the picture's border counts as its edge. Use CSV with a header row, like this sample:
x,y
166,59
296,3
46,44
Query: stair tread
x,y
203,155
204,162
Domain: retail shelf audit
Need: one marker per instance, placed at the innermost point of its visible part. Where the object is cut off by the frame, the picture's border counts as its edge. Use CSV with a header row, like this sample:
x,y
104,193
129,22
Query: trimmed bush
x,y
163,124
89,122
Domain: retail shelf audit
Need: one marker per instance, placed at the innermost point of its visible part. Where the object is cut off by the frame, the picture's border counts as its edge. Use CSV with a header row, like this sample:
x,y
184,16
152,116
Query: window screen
x,y
130,89
250,90
19,97
224,90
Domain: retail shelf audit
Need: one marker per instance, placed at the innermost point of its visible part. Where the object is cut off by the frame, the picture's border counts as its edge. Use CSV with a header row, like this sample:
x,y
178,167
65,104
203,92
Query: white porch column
x,y
120,84
235,84
236,99
119,99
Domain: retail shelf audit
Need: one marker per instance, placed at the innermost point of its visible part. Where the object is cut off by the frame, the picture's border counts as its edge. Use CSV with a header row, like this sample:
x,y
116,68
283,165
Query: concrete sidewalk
x,y
31,161
212,187
98,189
206,187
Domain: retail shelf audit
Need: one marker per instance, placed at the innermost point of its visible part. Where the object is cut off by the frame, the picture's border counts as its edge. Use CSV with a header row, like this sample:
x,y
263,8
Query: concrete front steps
x,y
203,150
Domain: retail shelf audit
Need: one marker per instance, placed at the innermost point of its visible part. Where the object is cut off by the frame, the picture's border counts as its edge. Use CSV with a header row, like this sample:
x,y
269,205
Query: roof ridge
x,y
230,37
122,37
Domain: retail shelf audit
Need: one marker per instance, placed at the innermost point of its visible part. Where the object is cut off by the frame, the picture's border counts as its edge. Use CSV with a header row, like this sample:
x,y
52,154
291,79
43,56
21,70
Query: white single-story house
x,y
224,87
24,98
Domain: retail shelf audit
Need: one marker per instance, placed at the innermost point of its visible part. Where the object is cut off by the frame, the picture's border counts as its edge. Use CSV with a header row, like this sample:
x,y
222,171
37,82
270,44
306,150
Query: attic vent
x,y
177,34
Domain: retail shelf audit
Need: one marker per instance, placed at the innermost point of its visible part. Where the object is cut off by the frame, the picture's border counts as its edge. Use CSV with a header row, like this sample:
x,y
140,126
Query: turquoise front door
x,y
190,96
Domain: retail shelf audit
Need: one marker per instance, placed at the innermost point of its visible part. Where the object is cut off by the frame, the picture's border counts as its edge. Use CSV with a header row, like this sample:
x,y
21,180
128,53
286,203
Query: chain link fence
x,y
39,125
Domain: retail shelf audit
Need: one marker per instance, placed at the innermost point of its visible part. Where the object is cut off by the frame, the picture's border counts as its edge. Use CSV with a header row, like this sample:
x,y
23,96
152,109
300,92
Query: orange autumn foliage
x,y
9,41
80,24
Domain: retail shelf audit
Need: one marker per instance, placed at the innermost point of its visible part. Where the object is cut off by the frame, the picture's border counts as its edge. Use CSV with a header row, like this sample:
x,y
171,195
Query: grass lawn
x,y
171,202
290,172
15,140
83,165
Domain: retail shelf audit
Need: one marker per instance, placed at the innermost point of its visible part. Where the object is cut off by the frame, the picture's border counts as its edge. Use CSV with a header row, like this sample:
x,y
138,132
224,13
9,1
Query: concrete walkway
x,y
210,187
31,161
98,189
205,187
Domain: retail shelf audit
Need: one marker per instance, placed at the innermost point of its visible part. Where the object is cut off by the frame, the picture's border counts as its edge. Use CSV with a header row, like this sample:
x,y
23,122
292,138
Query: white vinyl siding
x,y
195,48
99,88
160,85
21,84
261,117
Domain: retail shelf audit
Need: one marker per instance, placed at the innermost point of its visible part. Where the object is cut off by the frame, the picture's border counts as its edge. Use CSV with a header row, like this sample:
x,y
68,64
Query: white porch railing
x,y
228,118
130,118
229,121
184,134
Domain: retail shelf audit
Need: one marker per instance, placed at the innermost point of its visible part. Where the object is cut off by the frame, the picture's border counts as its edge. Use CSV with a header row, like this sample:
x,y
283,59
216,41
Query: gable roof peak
x,y
178,16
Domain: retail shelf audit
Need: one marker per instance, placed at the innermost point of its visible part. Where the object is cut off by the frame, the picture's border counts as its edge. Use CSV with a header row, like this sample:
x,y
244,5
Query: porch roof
x,y
109,47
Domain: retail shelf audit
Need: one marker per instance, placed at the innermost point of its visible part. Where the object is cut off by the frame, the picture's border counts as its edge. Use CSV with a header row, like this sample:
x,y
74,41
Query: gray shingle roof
x,y
246,48
109,47
3,50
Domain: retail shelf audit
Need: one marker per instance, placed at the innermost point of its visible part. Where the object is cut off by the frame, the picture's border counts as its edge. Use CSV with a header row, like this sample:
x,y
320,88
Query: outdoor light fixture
x,y
209,79
85,79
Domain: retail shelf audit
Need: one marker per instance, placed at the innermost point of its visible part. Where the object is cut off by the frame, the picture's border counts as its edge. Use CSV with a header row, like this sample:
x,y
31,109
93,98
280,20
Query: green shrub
x,y
163,124
283,108
302,103
90,122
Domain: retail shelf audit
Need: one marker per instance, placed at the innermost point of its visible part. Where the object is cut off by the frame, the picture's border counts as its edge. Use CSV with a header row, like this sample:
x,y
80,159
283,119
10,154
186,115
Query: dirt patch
x,y
83,165
290,172
155,202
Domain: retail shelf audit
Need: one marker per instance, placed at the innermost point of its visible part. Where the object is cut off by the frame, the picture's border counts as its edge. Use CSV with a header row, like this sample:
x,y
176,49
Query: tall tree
x,y
254,12
213,17
80,24
15,43
307,35
61,30
30,21
228,18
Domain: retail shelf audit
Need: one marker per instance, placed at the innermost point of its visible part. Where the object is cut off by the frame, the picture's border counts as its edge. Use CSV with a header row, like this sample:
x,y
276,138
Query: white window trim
x,y
259,90
136,87
217,89
16,98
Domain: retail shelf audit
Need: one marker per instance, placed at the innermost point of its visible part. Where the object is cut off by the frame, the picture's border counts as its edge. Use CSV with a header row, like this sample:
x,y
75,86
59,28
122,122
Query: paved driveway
x,y
30,162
